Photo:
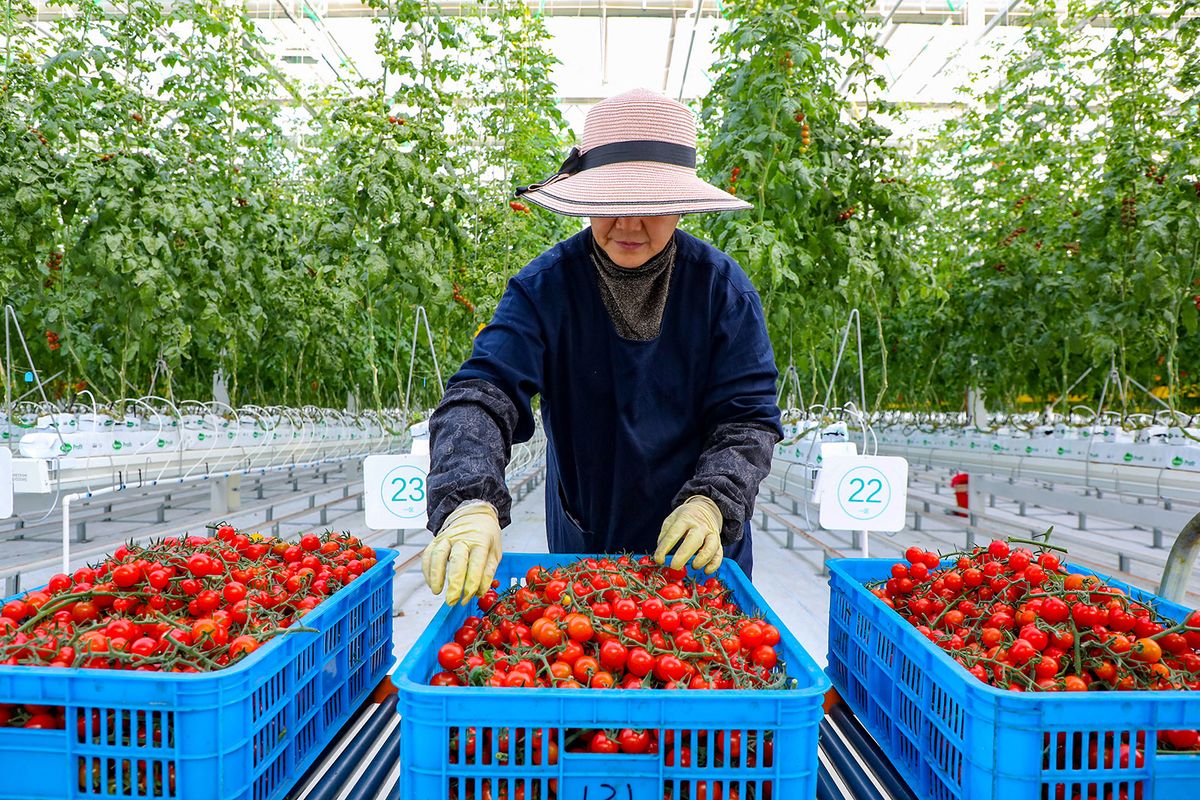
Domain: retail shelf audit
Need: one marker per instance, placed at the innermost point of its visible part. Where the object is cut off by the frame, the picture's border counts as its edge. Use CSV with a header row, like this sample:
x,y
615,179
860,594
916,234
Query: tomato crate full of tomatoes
x,y
194,668
1006,672
609,677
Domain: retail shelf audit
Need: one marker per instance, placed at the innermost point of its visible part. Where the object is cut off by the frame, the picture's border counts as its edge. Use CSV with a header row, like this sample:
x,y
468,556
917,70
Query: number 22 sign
x,y
866,493
394,491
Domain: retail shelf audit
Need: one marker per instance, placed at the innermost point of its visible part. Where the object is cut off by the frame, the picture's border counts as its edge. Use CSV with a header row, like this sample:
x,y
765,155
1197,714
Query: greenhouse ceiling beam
x,y
566,102
310,43
551,8
670,52
603,43
910,12
904,11
886,29
687,61
970,47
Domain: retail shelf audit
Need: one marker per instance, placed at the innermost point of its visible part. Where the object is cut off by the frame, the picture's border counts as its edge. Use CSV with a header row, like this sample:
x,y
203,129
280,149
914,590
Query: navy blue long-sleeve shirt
x,y
634,427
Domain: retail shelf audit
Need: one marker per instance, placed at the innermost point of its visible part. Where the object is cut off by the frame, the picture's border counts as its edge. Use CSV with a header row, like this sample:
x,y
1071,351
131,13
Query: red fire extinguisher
x,y
961,493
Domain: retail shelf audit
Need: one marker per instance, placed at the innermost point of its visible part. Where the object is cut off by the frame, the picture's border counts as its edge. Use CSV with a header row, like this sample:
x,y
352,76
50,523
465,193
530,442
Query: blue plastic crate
x,y
431,715
242,733
952,736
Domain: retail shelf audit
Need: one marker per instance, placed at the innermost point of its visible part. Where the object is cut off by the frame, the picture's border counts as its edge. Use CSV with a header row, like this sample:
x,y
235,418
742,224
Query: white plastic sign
x,y
395,491
29,475
830,450
6,483
864,493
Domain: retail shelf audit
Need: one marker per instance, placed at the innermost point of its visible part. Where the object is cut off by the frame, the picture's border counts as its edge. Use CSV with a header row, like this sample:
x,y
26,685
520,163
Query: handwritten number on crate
x,y
609,791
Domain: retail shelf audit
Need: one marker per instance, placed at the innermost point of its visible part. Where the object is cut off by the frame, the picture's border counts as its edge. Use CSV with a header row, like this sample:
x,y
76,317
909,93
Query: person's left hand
x,y
696,527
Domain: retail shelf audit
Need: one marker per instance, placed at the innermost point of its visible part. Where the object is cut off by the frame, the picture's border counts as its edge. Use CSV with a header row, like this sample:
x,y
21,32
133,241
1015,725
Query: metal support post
x,y
225,494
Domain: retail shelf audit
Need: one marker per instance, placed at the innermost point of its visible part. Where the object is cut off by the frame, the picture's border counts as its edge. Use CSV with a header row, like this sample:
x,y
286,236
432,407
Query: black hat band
x,y
678,155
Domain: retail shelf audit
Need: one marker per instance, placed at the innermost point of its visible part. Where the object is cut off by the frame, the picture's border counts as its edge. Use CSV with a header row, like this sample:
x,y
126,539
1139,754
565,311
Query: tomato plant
x,y
834,211
1066,216
284,245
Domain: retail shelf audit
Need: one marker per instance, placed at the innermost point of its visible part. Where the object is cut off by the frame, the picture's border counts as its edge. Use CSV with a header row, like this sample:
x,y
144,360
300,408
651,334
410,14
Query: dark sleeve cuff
x,y
736,458
470,444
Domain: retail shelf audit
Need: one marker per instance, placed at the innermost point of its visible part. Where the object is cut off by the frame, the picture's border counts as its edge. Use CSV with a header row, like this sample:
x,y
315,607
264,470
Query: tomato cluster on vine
x,y
613,623
189,604
1017,619
462,300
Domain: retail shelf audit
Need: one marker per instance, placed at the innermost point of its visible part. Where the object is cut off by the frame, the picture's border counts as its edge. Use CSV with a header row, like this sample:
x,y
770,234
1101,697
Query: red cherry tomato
x,y
450,656
602,744
751,636
765,656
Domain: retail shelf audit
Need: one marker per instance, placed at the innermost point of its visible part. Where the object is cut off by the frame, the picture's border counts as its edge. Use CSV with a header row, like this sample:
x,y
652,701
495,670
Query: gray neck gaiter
x,y
635,298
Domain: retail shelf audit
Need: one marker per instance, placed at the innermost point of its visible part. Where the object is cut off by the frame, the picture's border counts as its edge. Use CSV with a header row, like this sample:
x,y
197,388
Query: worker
x,y
649,350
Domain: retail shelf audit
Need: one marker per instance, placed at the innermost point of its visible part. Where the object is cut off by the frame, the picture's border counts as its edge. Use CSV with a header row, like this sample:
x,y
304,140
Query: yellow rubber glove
x,y
696,527
465,553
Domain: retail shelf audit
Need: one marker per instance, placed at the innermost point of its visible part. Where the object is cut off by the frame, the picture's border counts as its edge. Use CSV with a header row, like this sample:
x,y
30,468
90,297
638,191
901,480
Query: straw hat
x,y
638,159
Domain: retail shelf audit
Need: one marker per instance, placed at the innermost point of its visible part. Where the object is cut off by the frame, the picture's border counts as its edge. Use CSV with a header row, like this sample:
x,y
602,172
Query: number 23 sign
x,y
394,491
866,493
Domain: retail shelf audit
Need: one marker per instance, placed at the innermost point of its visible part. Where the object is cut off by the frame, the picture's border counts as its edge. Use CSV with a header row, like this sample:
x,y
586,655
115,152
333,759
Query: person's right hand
x,y
464,554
